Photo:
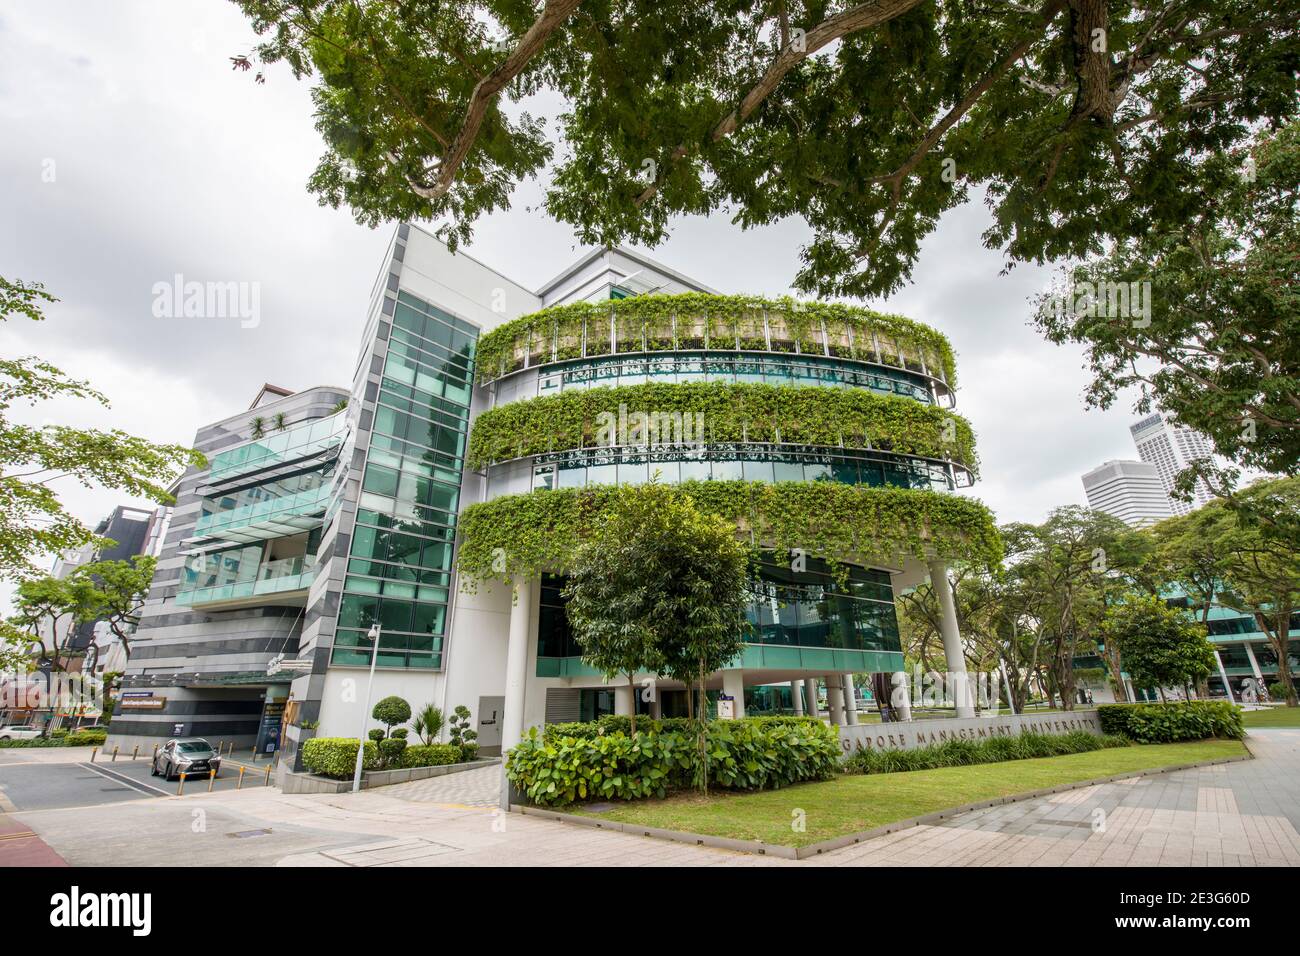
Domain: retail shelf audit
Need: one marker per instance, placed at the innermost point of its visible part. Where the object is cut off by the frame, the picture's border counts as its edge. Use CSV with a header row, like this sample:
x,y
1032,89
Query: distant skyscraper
x,y
1130,490
1171,448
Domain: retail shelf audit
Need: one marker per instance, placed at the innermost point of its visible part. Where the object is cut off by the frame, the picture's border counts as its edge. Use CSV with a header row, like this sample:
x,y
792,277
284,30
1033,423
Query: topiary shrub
x,y
1173,722
468,752
376,734
430,755
336,757
390,751
391,711
401,732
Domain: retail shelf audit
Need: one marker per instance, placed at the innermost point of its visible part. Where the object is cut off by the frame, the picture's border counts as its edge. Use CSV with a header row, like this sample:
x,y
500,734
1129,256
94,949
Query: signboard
x,y
726,707
268,732
142,703
923,733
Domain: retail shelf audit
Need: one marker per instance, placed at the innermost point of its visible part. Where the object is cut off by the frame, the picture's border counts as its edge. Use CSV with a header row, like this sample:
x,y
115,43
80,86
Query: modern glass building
x,y
327,512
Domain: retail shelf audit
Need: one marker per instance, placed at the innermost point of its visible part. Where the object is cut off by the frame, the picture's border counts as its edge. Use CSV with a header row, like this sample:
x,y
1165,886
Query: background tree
x,y
1080,121
48,612
121,588
33,520
1160,646
1220,347
1262,569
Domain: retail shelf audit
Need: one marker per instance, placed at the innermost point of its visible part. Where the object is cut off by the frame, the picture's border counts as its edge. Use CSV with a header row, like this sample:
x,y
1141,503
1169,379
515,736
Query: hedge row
x,y
962,753
337,756
754,754
1174,721
622,724
87,739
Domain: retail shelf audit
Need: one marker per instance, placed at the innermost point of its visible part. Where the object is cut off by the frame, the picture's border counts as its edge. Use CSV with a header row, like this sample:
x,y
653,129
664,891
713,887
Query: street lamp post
x,y
373,635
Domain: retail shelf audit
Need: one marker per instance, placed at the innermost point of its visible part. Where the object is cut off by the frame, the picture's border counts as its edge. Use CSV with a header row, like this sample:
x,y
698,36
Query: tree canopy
x,y
1216,341
33,520
1082,121
1160,647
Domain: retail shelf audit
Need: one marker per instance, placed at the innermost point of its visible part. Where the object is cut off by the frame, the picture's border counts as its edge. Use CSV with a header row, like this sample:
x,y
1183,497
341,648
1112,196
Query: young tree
x,y
391,711
1079,121
33,520
48,611
660,588
1216,338
1160,646
427,724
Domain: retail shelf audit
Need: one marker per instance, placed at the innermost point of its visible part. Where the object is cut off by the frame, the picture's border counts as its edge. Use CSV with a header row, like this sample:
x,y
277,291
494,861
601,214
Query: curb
x,y
848,839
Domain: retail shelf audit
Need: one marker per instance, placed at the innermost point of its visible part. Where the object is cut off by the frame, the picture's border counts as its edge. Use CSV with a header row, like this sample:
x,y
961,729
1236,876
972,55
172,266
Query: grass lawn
x,y
1273,717
851,803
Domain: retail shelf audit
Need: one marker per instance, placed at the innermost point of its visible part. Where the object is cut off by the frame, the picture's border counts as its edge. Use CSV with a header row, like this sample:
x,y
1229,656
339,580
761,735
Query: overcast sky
x,y
130,152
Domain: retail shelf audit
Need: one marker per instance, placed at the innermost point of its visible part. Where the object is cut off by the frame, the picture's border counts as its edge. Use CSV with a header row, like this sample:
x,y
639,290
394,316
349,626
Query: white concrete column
x,y
850,701
512,719
835,699
733,685
796,697
952,650
656,703
521,619
623,702
1223,676
900,697
810,693
1254,664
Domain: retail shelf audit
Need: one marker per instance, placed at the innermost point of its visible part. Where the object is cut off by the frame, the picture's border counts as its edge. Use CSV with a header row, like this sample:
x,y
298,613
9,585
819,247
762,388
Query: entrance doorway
x,y
490,712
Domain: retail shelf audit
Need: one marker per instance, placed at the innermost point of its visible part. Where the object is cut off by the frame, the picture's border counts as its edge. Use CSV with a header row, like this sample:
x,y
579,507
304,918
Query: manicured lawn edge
x,y
848,839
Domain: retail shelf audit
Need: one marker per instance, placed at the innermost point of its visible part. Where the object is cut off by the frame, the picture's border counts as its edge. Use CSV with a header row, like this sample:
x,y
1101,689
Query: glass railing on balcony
x,y
300,441
273,577
265,512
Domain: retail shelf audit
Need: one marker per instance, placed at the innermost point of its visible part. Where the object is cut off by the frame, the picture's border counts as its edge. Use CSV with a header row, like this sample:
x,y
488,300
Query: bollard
x,y
136,752
268,775
114,760
239,784
181,788
212,779
93,751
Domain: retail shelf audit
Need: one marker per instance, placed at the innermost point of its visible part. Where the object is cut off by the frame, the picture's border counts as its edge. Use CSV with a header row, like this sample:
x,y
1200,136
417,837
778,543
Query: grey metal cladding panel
x,y
220,648
376,364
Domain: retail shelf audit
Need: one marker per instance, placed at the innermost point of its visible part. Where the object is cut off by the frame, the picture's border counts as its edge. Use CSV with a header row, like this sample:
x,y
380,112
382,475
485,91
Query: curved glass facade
x,y
805,608
740,367
737,462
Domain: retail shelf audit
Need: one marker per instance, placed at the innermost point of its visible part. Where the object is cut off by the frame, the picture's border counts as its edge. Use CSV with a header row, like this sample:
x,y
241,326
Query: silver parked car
x,y
188,755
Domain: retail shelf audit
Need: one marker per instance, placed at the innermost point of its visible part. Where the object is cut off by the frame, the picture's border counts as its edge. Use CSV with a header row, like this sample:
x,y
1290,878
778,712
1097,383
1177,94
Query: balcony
x,y
277,518
318,439
280,578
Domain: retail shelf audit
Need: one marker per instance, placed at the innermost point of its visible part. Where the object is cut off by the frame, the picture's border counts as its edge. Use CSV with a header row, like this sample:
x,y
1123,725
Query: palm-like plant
x,y
257,425
281,422
427,723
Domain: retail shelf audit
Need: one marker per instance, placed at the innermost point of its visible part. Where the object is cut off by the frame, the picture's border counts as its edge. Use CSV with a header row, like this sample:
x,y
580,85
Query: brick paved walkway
x,y
480,787
1239,814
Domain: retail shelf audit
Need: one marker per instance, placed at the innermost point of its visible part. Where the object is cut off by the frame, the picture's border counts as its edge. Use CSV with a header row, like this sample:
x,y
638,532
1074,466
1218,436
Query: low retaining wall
x,y
912,734
311,783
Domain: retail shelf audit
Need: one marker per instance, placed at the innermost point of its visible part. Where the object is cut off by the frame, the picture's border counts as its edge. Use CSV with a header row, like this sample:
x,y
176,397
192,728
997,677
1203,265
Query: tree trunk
x,y
1280,638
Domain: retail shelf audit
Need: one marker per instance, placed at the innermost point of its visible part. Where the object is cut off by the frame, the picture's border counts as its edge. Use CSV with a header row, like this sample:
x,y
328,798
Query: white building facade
x,y
1172,448
1129,490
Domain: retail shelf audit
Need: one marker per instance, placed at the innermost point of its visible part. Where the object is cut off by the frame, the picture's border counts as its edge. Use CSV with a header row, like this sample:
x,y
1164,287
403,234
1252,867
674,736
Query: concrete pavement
x,y
1240,813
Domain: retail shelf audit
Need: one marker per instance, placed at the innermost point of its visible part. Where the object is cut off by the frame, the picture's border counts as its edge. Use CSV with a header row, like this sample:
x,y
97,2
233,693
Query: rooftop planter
x,y
690,321
541,531
804,415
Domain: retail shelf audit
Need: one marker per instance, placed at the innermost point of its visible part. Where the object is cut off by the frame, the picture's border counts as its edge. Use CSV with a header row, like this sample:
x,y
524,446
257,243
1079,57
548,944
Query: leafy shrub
x,y
376,734
390,751
401,732
86,738
1174,721
962,753
621,723
1277,690
430,755
468,752
59,733
553,768
427,723
337,756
